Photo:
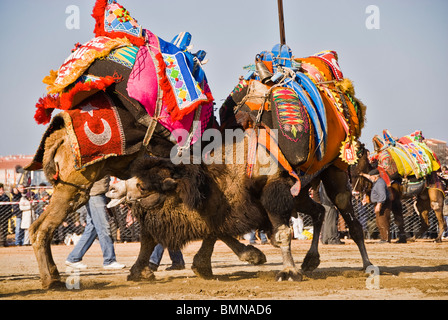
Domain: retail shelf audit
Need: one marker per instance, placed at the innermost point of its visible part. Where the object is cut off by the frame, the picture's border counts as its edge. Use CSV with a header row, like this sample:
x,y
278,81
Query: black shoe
x,y
336,242
176,267
153,266
401,240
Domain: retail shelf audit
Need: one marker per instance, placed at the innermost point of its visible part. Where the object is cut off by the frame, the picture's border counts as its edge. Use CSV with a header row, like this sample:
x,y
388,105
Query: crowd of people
x,y
21,206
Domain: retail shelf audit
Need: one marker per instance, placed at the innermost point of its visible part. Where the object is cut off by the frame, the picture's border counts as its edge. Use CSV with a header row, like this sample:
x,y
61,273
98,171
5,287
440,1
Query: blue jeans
x,y
263,237
19,232
445,234
96,225
176,256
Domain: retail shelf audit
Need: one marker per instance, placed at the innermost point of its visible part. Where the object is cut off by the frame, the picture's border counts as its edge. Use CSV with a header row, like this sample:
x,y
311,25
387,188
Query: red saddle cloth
x,y
97,130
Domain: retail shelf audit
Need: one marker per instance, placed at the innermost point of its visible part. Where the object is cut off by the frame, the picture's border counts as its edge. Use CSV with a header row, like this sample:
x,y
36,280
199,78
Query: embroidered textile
x,y
79,61
125,56
114,21
290,113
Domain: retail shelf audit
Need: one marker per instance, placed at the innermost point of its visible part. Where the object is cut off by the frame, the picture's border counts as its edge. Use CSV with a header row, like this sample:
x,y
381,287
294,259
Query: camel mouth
x,y
116,202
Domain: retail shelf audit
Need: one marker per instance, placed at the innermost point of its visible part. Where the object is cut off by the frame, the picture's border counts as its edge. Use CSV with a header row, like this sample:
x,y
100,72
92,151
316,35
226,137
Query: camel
x,y
275,195
124,61
429,198
71,191
176,204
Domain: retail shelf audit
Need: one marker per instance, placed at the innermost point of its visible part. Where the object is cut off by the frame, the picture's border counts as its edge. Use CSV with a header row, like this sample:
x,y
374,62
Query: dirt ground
x,y
415,271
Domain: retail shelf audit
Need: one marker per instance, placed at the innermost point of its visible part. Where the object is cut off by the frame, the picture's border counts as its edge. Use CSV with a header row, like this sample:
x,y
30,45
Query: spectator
x,y
27,208
330,234
5,215
43,196
177,259
97,225
261,234
19,233
380,197
297,227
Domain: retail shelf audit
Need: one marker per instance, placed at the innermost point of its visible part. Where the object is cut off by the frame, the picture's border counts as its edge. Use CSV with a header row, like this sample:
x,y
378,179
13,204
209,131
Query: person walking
x,y
97,225
177,259
380,197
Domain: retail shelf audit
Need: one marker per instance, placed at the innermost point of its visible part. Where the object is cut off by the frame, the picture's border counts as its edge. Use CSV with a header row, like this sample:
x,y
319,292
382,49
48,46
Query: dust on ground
x,y
416,270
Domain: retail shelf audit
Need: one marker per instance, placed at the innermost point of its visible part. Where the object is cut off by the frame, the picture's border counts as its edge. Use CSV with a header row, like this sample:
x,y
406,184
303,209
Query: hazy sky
x,y
399,70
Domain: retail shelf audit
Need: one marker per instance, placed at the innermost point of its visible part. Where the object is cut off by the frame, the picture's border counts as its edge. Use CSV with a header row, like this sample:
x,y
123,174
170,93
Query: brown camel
x,y
429,198
71,191
272,194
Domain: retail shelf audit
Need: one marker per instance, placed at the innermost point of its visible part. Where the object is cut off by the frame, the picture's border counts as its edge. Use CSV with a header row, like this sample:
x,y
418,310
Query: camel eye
x,y
140,188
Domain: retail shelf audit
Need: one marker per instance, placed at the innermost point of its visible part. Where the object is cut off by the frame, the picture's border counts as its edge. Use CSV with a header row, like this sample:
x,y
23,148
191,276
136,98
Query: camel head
x,y
117,194
359,183
155,179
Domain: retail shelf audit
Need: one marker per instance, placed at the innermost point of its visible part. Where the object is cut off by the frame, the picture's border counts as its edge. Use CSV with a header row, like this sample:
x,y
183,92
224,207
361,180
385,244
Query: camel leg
x,y
65,200
317,212
140,270
436,198
336,185
279,204
422,207
202,264
248,253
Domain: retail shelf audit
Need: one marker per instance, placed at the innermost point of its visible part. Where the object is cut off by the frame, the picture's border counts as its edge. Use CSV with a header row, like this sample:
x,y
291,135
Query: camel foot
x,y
311,262
253,255
204,272
53,284
145,274
290,274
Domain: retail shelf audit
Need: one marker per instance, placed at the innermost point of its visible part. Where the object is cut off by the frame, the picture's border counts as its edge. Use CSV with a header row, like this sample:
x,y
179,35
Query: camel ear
x,y
169,184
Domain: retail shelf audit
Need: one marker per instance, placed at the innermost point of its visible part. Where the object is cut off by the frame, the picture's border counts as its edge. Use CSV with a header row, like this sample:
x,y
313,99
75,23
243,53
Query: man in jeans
x,y
97,225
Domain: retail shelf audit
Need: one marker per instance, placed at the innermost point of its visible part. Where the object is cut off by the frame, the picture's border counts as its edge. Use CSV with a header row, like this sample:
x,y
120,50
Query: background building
x,y
440,149
8,164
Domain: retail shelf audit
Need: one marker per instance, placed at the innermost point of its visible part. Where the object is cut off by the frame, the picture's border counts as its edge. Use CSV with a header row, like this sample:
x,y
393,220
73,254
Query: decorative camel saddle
x,y
407,157
158,82
307,100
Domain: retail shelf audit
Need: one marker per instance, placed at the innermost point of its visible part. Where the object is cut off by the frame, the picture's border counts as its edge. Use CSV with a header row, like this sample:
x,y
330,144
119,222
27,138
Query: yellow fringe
x,y
81,65
346,85
50,78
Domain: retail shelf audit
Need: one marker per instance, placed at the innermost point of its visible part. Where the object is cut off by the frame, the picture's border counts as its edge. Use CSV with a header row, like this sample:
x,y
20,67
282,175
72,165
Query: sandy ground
x,y
417,270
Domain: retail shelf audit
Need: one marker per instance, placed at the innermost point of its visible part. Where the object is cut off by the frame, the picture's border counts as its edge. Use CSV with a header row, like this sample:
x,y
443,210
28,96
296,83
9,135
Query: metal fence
x,y
366,216
125,228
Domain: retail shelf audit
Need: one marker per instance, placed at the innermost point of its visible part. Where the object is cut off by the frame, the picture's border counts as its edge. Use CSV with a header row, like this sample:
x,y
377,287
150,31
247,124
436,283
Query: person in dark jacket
x,y
19,232
380,197
5,215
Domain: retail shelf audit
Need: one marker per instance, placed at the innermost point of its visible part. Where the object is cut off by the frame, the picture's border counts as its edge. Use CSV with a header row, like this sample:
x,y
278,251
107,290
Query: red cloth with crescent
x,y
95,130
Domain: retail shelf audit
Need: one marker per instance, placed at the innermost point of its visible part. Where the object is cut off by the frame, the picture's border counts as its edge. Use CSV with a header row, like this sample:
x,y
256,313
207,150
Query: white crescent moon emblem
x,y
99,139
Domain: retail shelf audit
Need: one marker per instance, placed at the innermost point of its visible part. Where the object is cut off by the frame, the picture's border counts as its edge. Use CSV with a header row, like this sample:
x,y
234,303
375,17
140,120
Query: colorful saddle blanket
x,y
161,73
318,84
408,155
